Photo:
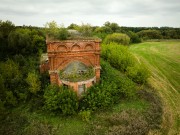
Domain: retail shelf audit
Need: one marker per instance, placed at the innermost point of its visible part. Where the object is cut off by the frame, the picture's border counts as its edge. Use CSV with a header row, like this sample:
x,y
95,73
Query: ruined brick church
x,y
73,63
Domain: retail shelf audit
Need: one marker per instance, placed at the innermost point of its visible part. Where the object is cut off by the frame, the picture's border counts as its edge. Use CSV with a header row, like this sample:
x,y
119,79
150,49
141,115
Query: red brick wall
x,y
61,53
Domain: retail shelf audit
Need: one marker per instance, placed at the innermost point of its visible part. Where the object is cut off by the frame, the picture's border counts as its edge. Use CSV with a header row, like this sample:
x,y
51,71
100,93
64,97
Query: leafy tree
x,y
10,82
5,28
73,26
19,41
150,34
33,82
114,26
117,38
134,38
54,31
86,30
103,29
38,44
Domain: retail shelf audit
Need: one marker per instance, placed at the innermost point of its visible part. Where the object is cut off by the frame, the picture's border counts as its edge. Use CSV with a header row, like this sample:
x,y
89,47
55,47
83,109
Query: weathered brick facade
x,y
62,53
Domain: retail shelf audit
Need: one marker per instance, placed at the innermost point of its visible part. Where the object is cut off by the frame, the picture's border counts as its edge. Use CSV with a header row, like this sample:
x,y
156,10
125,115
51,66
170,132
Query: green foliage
x,y
33,82
118,38
85,30
123,87
113,26
6,27
73,26
26,42
74,76
109,91
97,97
85,115
118,56
134,38
150,34
13,124
138,73
38,44
54,31
10,98
11,82
103,29
60,100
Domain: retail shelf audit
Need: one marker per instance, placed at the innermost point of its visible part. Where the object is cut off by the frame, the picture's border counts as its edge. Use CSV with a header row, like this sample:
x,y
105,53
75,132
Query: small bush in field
x,y
118,38
60,100
85,115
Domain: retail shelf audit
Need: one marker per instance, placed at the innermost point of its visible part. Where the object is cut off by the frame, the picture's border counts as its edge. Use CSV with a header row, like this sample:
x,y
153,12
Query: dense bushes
x,y
130,121
149,34
26,42
109,91
119,38
138,73
60,100
120,58
54,31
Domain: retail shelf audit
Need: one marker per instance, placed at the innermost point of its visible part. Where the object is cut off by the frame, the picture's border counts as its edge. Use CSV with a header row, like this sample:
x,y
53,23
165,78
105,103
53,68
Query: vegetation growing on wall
x,y
76,76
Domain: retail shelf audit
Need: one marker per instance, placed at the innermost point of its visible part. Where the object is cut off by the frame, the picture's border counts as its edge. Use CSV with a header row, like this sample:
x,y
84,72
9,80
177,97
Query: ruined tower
x,y
73,63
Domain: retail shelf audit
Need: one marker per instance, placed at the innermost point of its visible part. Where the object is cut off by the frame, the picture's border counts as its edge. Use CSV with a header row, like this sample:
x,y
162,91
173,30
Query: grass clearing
x,y
163,60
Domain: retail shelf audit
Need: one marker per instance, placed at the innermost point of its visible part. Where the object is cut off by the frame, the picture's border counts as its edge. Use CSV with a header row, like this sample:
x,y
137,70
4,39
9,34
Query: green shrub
x,y
134,38
113,87
118,56
97,97
10,98
118,38
138,74
54,31
85,115
60,100
33,82
13,123
123,86
150,34
62,34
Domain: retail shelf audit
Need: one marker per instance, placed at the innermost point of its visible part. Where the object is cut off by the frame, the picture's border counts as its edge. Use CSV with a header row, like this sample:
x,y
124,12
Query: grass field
x,y
163,60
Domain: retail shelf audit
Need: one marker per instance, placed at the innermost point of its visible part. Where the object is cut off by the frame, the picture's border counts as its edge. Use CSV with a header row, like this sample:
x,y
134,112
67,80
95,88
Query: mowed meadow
x,y
163,60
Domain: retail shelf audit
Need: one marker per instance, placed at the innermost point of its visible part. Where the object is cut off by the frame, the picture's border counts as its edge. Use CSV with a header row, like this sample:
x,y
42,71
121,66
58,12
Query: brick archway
x,y
64,63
